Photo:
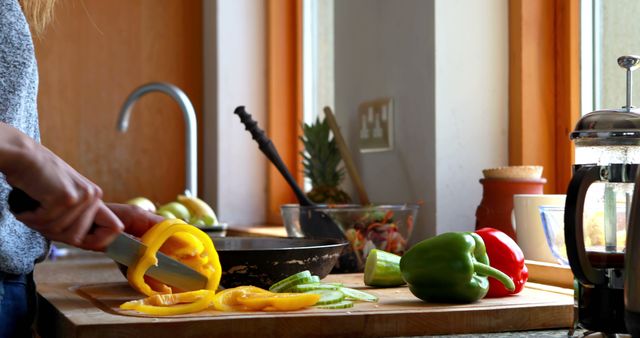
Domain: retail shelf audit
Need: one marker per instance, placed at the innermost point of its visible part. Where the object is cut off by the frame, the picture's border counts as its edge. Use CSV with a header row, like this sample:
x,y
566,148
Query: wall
x,y
446,68
385,48
235,74
471,104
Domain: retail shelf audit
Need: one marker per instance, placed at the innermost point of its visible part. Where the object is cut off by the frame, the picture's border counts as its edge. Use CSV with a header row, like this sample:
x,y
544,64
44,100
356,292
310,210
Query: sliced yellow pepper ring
x,y
176,298
155,238
182,244
158,228
157,286
227,300
195,262
172,304
278,301
146,238
179,246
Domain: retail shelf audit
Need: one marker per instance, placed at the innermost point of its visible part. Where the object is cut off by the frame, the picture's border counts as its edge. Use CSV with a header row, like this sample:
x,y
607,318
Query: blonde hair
x,y
38,13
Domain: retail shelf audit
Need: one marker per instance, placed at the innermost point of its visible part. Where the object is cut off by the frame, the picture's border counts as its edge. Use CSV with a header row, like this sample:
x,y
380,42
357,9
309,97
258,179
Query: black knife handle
x,y
20,202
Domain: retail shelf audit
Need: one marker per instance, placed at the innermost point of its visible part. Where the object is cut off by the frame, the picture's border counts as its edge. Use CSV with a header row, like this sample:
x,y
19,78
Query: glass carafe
x,y
608,200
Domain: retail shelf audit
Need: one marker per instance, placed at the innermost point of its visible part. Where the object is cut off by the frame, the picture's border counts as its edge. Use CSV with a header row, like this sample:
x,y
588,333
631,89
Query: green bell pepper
x,y
451,267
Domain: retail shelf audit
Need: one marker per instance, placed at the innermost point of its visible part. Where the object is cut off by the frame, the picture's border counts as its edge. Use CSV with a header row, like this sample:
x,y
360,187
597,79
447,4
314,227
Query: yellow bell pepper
x,y
157,286
158,228
279,301
172,304
193,247
182,244
227,300
156,237
251,298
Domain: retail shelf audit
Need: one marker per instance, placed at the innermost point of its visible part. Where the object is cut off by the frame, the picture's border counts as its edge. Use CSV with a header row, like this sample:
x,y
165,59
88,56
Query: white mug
x,y
527,221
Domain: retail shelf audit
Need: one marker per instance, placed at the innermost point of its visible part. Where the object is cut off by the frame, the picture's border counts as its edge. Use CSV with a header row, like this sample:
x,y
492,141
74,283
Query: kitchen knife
x,y
126,250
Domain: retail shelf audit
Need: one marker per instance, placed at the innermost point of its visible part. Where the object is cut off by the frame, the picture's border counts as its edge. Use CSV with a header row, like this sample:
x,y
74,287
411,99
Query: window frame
x,y
544,86
284,99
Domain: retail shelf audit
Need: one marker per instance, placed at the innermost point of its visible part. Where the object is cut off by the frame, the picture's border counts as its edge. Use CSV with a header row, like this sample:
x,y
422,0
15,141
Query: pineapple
x,y
321,159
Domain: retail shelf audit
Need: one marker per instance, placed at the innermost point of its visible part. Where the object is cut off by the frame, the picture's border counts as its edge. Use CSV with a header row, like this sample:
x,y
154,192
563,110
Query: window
x,y
317,42
609,29
317,60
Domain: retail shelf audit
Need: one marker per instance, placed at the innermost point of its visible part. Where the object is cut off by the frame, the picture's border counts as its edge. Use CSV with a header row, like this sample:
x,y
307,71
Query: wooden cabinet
x,y
92,56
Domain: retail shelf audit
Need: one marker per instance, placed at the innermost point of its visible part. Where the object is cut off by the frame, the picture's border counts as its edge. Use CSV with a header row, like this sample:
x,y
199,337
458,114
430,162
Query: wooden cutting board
x,y
91,310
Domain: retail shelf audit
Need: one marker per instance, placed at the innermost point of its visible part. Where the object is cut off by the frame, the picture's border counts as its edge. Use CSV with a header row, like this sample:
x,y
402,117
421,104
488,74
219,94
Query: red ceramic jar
x,y
497,201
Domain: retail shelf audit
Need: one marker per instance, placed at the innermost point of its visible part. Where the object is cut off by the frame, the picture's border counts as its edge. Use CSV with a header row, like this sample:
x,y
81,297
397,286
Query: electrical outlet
x,y
376,125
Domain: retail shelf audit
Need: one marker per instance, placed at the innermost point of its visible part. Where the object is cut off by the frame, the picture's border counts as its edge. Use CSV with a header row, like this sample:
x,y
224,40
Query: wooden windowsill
x,y
550,274
260,230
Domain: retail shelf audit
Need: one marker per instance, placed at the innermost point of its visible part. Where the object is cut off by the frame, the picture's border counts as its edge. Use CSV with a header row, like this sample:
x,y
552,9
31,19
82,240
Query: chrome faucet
x,y
189,114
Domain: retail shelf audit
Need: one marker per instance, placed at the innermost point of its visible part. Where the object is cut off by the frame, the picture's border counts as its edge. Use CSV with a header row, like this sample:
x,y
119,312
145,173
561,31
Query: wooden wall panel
x,y
94,54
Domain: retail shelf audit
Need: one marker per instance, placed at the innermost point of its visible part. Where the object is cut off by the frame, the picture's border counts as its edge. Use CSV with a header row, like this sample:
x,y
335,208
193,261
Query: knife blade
x,y
126,250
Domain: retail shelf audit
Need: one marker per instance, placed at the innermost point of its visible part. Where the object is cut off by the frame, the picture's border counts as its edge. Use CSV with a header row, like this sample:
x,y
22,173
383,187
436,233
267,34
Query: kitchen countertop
x,y
88,267
279,231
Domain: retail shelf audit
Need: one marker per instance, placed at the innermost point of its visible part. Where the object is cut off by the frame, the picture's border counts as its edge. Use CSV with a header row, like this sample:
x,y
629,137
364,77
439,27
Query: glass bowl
x,y
384,227
553,225
594,236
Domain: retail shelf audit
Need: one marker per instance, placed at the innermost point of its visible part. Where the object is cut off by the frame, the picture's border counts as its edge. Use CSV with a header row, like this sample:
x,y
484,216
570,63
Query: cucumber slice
x,y
288,281
382,269
313,286
328,296
286,287
353,294
345,304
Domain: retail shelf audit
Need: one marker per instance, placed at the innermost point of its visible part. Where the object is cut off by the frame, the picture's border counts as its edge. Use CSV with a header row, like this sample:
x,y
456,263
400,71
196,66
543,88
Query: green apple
x,y
196,222
178,209
166,214
143,203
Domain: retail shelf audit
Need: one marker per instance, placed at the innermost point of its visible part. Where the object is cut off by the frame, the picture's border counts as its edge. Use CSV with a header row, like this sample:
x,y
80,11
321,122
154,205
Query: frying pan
x,y
314,223
262,261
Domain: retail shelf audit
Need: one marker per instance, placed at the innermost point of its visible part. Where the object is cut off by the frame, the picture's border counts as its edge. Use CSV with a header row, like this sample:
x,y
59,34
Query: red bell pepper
x,y
506,256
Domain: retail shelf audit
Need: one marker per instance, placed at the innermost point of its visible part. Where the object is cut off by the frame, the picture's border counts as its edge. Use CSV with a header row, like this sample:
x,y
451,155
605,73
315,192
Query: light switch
x,y
376,125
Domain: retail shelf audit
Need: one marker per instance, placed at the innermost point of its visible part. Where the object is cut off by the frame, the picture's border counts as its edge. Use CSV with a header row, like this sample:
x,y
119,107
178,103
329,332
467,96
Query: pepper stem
x,y
484,269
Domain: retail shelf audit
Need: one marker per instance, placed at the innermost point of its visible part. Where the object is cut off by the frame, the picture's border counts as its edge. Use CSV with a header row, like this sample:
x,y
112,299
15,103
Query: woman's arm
x,y
69,202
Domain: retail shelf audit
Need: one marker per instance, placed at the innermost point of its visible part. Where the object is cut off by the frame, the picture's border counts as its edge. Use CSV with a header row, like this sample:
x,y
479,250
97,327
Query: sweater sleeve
x,y
20,246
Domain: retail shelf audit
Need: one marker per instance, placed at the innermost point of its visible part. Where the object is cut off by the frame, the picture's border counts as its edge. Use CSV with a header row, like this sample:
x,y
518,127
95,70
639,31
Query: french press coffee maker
x,y
607,152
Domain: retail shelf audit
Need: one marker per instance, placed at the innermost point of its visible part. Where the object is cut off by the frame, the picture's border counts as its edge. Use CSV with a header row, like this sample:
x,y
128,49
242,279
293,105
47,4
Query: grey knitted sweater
x,y
20,246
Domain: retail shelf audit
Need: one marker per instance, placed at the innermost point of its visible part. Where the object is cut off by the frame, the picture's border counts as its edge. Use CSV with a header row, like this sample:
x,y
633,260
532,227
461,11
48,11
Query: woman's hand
x,y
136,220
69,203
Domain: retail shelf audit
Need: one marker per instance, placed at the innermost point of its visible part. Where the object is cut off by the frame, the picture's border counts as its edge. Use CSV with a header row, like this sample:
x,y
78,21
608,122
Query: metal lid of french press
x,y
613,126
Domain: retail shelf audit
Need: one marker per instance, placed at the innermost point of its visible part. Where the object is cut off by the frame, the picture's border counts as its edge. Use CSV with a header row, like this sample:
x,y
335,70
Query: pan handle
x,y
267,147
